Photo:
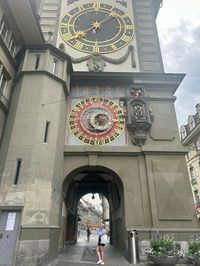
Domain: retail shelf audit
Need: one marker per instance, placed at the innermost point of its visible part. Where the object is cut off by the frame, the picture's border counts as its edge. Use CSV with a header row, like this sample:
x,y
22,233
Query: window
x,y
55,66
46,131
12,47
3,82
196,195
5,90
3,30
197,145
183,133
6,35
37,62
192,176
19,162
191,124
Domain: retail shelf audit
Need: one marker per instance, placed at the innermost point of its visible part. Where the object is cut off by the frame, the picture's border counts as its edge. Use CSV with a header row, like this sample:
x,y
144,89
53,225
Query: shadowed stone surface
x,y
89,254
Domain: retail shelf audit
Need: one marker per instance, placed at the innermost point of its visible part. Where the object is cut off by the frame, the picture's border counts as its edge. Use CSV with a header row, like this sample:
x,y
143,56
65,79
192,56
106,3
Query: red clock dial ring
x,y
96,121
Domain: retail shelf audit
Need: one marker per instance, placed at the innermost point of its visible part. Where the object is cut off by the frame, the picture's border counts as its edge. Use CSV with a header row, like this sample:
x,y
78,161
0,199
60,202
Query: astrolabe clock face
x,y
96,28
96,121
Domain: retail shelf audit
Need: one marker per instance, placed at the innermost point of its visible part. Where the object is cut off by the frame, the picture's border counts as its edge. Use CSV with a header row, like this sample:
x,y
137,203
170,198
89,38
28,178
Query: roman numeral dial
x,y
96,28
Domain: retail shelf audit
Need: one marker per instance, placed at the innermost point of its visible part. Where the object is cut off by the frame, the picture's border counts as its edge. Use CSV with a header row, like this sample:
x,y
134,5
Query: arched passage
x,y
100,180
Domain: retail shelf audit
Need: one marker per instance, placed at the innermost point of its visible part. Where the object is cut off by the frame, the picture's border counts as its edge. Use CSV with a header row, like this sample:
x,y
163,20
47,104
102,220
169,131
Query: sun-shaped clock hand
x,y
96,25
99,24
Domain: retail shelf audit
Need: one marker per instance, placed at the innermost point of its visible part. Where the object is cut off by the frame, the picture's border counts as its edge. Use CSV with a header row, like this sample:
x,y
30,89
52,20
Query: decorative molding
x,y
62,47
138,115
122,2
69,2
96,62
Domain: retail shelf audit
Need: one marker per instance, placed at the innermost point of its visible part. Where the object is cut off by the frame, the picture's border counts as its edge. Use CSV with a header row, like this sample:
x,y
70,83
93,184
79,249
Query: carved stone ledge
x,y
138,131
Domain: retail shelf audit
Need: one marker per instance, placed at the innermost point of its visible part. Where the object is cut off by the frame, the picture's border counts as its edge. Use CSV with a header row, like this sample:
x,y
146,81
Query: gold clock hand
x,y
79,34
97,24
90,28
111,15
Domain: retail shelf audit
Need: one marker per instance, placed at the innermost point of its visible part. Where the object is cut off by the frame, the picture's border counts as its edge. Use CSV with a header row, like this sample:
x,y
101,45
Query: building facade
x,y
190,137
88,215
13,37
91,111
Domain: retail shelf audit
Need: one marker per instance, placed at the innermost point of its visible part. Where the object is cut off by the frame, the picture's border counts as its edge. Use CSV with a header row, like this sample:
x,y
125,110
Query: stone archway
x,y
100,180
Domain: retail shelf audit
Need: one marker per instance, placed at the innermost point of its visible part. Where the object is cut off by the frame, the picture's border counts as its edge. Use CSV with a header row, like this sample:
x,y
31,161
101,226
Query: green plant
x,y
194,249
164,246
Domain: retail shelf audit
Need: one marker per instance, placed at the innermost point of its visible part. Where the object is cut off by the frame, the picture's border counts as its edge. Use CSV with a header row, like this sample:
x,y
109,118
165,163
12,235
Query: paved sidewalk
x,y
84,253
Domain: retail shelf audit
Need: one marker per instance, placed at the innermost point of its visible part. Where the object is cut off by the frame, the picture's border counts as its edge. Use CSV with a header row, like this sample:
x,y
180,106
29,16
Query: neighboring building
x,y
106,209
19,26
88,214
86,107
14,34
190,137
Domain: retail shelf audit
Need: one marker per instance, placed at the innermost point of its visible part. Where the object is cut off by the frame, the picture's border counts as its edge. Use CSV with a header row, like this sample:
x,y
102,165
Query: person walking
x,y
88,234
102,238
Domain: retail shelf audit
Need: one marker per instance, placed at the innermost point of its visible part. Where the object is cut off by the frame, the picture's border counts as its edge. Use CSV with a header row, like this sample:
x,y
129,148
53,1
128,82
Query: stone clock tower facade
x,y
93,112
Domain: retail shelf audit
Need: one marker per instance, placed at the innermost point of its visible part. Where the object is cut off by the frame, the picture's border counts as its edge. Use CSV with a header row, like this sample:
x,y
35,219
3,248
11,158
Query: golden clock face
x,y
96,121
96,28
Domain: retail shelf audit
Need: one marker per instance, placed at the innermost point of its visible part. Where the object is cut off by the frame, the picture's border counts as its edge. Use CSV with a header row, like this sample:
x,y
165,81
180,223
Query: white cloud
x,y
179,31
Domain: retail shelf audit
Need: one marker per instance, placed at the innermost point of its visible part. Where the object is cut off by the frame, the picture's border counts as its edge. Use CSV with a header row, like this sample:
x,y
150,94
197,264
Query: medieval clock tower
x,y
94,113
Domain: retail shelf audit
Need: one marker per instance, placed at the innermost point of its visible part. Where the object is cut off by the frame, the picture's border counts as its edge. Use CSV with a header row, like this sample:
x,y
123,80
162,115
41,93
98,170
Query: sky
x,y
178,24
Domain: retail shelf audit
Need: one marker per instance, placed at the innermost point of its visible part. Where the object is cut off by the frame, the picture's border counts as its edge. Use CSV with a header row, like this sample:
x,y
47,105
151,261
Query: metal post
x,y
132,247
